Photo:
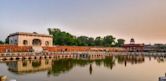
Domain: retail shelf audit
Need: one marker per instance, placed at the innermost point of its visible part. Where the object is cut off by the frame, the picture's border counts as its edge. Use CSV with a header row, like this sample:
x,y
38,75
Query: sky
x,y
143,20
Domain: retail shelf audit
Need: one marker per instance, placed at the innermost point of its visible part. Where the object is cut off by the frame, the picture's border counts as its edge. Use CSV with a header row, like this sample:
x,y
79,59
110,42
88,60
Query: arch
x,y
36,42
25,42
47,43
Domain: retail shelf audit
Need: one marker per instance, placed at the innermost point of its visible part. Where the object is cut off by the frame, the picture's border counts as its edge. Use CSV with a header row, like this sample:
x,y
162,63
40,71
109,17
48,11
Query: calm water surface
x,y
117,68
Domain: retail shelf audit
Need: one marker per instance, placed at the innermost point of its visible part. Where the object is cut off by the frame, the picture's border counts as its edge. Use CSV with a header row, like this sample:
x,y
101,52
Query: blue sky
x,y
145,20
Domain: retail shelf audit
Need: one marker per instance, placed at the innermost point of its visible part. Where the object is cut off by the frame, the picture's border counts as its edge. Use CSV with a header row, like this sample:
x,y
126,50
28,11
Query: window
x,y
47,43
25,42
15,41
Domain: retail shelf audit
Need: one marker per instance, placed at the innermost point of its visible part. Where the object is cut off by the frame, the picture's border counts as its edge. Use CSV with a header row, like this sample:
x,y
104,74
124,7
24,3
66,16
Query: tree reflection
x,y
65,65
98,62
61,66
160,59
36,63
109,62
124,59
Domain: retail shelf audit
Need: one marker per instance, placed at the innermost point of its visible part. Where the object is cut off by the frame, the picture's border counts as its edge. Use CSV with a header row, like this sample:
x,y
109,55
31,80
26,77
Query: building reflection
x,y
28,66
161,59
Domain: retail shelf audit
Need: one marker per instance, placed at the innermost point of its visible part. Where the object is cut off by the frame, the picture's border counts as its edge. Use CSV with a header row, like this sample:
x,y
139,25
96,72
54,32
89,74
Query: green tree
x,y
61,37
108,41
120,42
7,40
65,38
91,41
1,42
82,41
53,31
98,41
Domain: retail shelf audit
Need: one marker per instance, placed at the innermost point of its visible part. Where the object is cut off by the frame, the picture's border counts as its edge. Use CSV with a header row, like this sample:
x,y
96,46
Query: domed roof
x,y
132,41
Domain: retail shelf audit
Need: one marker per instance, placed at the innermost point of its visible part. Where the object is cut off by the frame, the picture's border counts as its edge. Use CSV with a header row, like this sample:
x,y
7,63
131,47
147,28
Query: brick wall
x,y
14,48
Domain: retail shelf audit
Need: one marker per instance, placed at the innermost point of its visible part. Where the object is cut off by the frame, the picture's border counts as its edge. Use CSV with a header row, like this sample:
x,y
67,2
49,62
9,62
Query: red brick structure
x,y
132,47
14,48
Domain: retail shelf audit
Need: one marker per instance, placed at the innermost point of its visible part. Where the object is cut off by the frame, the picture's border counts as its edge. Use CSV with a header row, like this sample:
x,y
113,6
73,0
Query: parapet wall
x,y
15,48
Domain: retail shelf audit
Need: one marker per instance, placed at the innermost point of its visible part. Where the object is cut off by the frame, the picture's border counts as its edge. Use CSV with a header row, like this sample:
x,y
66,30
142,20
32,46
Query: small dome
x,y
132,41
35,33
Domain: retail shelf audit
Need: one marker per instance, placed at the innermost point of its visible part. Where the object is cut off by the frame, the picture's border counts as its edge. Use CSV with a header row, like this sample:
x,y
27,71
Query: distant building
x,y
132,47
155,48
30,39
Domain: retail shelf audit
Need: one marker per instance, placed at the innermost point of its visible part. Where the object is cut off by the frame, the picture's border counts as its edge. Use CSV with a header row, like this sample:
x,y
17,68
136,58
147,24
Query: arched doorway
x,y
36,42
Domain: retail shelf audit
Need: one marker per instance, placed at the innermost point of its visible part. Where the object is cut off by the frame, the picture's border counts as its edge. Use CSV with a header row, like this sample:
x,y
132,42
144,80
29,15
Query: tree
x,y
7,40
109,40
1,42
82,41
98,41
53,31
120,42
65,38
91,41
61,37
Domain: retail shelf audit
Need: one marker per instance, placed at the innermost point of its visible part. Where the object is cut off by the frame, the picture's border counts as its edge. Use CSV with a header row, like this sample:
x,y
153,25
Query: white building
x,y
30,39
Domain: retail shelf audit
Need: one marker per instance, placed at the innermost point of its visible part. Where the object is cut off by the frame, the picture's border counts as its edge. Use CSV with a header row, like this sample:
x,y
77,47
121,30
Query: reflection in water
x,y
57,67
150,58
27,66
108,62
90,69
61,66
160,60
130,59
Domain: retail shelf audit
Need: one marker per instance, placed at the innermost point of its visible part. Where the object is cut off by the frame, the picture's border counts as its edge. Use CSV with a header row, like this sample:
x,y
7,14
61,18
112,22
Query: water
x,y
116,68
